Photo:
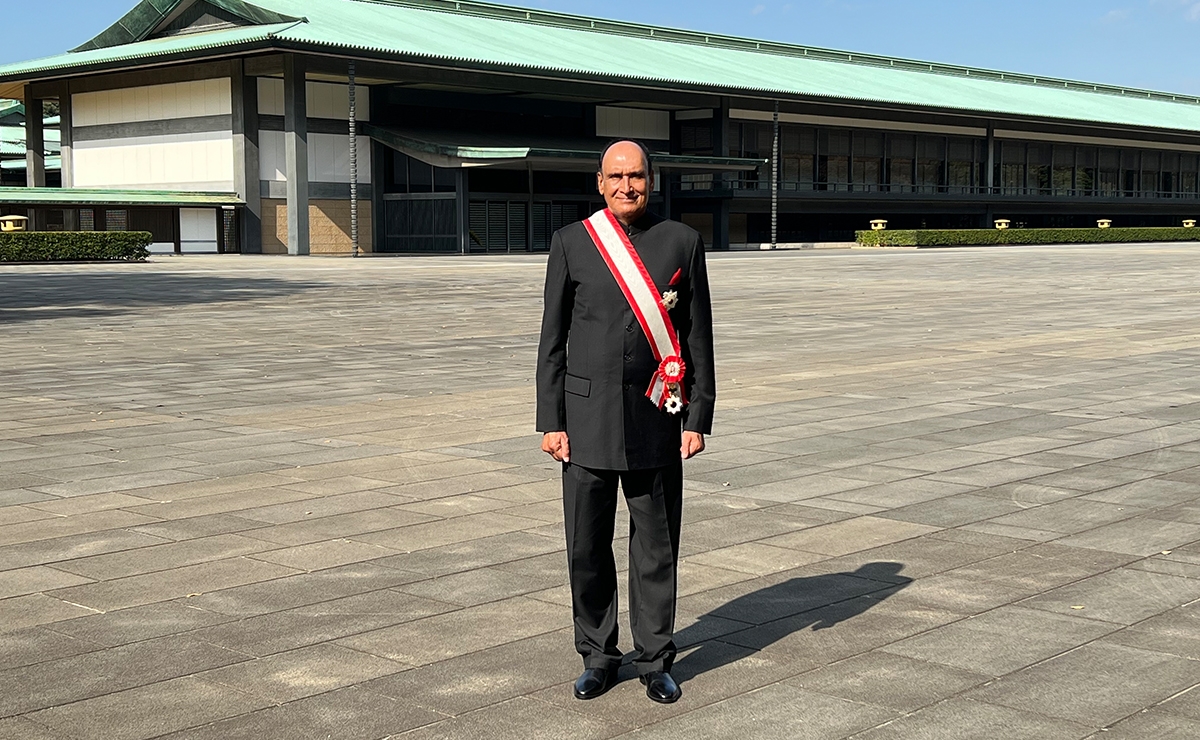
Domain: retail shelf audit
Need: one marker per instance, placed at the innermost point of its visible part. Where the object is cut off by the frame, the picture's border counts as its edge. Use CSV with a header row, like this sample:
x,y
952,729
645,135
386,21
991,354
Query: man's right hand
x,y
557,445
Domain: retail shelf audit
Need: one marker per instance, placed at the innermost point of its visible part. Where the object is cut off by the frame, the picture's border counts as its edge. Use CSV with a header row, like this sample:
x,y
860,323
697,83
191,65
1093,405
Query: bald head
x,y
625,180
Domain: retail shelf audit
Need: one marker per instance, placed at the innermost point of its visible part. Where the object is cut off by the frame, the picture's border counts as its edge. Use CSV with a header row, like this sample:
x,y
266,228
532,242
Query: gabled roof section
x,y
151,16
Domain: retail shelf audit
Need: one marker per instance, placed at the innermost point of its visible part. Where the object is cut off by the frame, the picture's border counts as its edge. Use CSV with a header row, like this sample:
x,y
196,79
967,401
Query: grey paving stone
x,y
36,645
154,558
124,626
301,590
889,680
772,712
1138,536
307,671
520,717
148,711
964,719
490,676
1153,723
310,625
423,641
344,714
19,728
1096,684
1001,641
1120,597
75,678
953,511
20,612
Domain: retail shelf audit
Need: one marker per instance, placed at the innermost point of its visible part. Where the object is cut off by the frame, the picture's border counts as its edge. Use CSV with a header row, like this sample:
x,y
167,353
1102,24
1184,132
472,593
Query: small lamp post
x,y
878,224
13,223
1002,223
1103,223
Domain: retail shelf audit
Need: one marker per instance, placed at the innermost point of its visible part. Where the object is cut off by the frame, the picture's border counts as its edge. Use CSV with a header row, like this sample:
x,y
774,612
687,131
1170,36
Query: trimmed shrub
x,y
57,246
985,237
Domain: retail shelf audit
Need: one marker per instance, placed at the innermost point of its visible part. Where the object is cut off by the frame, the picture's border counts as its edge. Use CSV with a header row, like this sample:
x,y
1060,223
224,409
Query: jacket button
x,y
629,328
628,386
628,358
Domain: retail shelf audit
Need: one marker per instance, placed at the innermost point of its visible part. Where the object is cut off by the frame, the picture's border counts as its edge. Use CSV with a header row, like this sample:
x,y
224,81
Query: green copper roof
x,y
486,36
95,197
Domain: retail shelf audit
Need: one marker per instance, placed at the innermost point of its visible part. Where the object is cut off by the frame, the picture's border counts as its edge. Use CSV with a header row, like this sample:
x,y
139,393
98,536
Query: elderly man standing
x,y
625,393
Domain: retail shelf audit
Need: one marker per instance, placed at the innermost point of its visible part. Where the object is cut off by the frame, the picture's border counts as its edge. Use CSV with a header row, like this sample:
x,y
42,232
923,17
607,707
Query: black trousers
x,y
655,500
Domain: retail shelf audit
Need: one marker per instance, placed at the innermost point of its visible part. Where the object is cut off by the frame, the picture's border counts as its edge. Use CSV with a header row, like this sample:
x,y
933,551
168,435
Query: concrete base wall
x,y
329,226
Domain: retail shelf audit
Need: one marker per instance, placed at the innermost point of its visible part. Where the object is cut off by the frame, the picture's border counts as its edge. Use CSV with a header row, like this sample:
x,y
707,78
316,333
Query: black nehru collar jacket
x,y
595,363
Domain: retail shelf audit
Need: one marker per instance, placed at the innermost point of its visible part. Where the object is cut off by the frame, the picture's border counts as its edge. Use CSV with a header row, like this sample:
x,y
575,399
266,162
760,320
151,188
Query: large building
x,y
227,125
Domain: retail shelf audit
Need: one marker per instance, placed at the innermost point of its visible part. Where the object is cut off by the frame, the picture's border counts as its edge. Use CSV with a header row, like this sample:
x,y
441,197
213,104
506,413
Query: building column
x,y
35,142
721,225
245,158
295,135
66,136
461,218
378,207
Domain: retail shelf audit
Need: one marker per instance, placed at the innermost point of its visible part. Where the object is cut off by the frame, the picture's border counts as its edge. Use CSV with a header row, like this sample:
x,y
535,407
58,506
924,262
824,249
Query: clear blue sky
x,y
1142,43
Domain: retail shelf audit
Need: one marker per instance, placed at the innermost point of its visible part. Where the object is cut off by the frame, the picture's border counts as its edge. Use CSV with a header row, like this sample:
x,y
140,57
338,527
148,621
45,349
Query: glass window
x,y
963,164
833,159
1085,171
420,177
930,159
1188,176
900,162
1012,167
798,150
868,161
1109,182
1064,169
1150,174
1038,173
1169,186
1130,169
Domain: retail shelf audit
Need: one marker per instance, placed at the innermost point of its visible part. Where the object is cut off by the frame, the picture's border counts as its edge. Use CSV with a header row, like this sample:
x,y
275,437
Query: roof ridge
x,y
558,19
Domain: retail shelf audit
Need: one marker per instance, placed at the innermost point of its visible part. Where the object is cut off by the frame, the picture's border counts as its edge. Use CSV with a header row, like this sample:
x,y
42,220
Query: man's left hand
x,y
693,444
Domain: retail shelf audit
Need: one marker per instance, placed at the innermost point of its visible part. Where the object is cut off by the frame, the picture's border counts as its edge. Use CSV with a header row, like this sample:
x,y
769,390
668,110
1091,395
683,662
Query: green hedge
x,y
982,237
53,246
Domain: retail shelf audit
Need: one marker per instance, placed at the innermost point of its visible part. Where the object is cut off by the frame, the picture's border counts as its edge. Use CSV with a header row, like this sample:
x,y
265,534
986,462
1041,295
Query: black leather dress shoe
x,y
661,687
593,682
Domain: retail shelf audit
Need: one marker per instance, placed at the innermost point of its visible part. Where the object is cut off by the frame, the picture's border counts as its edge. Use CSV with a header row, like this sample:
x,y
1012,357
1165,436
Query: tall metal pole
x,y
353,165
775,175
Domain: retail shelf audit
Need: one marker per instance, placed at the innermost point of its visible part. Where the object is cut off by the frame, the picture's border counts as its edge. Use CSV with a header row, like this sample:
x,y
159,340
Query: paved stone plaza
x,y
952,494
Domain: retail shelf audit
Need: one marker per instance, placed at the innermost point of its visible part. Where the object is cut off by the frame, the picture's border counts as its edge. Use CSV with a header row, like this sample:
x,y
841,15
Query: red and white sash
x,y
666,387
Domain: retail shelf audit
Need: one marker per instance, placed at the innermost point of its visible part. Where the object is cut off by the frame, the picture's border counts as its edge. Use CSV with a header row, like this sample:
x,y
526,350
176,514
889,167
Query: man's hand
x,y
559,447
693,444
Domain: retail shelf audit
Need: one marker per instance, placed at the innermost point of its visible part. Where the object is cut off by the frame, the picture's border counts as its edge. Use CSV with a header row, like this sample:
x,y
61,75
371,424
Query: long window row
x,y
855,160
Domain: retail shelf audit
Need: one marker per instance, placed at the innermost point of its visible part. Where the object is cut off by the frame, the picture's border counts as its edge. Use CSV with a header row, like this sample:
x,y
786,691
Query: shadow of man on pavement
x,y
816,602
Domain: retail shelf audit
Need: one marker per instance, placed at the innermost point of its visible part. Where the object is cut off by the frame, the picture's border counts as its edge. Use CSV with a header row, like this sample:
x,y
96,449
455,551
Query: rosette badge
x,y
670,375
670,299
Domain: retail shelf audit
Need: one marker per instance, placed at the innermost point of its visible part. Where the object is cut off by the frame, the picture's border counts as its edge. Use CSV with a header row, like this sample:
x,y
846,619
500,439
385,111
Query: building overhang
x,y
87,197
466,150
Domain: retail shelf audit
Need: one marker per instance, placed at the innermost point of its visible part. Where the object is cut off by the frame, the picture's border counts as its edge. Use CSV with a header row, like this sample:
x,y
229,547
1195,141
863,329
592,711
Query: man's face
x,y
624,181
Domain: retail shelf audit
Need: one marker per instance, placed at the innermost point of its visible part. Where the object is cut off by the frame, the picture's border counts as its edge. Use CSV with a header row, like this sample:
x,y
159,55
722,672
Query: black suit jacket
x,y
595,363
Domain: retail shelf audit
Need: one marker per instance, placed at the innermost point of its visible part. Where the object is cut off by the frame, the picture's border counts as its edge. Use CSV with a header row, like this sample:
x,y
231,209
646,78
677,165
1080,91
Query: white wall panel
x,y
328,157
153,102
636,123
198,230
325,99
201,161
270,96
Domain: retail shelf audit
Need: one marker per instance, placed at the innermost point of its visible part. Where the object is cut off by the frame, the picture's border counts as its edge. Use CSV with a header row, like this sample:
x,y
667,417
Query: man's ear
x,y
600,182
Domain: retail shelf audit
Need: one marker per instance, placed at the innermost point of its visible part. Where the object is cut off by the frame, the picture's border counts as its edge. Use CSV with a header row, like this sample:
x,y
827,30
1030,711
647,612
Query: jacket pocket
x,y
577,385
